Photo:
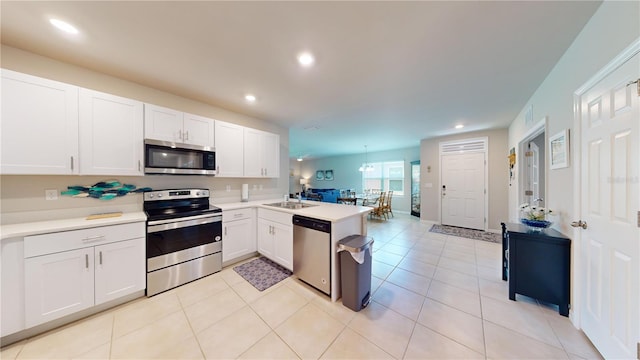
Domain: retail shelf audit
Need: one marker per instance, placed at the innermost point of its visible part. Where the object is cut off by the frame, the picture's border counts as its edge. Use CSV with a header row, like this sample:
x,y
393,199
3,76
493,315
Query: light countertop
x,y
43,227
322,210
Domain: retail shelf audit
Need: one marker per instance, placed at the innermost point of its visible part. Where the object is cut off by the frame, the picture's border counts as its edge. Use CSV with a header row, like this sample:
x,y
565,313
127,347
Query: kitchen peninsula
x,y
345,220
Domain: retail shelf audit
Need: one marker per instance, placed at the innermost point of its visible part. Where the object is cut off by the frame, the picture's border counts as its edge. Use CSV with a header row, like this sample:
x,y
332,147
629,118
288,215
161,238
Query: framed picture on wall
x,y
559,150
328,175
320,175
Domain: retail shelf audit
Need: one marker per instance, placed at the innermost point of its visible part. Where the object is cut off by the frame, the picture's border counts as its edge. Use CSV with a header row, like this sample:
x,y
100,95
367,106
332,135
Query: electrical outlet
x,y
51,194
255,187
260,186
228,188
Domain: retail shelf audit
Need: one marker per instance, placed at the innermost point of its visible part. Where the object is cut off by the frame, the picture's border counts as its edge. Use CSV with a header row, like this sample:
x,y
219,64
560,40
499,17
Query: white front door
x,y
610,246
463,190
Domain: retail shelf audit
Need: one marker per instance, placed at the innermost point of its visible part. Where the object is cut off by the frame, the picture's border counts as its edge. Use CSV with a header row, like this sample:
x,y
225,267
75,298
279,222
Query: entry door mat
x,y
262,273
466,233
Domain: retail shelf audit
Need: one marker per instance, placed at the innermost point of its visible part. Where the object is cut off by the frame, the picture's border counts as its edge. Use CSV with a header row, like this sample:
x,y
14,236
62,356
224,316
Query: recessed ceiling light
x,y
64,26
459,126
250,98
306,59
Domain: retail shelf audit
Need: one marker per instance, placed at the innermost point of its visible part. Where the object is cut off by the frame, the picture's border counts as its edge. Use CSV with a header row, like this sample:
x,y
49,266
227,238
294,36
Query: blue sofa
x,y
326,195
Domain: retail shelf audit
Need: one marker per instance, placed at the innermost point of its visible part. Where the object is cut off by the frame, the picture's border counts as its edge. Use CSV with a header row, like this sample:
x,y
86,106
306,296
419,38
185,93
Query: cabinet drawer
x,y
237,214
277,216
37,245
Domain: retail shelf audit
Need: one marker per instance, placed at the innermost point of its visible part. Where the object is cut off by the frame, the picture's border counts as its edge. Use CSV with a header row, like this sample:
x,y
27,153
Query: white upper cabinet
x,y
166,124
162,123
111,134
198,130
271,154
229,149
39,125
261,154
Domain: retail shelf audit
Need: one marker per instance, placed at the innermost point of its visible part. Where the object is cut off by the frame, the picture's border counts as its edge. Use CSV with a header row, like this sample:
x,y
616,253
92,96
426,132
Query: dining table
x,y
359,199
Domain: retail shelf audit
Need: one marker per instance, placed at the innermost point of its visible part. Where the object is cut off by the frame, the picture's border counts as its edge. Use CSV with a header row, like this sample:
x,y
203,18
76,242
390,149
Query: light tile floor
x,y
435,297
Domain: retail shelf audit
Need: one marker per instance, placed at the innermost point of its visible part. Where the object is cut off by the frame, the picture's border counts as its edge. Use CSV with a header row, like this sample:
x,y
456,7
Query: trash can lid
x,y
355,243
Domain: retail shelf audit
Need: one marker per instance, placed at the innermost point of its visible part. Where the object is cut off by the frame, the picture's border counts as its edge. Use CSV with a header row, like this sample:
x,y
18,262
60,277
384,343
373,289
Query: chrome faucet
x,y
299,198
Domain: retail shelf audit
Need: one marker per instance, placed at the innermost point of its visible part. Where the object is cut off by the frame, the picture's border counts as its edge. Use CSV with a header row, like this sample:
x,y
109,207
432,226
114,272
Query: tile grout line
x,y
484,336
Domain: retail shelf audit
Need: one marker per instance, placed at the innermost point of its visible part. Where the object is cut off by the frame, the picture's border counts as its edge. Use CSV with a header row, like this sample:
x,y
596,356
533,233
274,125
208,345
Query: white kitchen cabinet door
x,y
229,149
283,245
39,125
252,153
12,286
162,123
270,150
119,269
111,134
238,238
261,153
198,130
266,240
57,285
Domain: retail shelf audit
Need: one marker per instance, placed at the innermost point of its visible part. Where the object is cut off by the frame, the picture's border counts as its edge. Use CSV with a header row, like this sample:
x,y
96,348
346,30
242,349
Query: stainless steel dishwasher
x,y
312,252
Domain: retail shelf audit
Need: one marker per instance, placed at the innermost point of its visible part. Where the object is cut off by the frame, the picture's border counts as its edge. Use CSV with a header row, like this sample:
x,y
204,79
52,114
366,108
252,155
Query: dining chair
x,y
387,203
378,206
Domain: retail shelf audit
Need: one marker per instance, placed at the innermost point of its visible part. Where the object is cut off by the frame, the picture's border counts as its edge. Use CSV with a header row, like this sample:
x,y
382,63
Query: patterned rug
x,y
466,233
262,273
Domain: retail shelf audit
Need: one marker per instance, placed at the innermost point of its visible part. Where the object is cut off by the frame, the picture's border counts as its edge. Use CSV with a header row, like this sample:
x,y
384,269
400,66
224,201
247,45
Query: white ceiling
x,y
387,74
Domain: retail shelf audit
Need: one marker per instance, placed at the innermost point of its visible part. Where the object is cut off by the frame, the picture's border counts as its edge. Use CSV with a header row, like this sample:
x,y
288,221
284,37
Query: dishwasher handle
x,y
311,223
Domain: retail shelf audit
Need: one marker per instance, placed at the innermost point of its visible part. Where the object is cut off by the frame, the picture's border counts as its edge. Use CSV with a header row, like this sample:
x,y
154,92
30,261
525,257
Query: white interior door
x,y
610,246
463,190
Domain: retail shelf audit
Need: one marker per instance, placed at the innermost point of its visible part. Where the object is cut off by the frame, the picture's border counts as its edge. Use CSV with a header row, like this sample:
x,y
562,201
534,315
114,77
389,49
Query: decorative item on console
x,y
535,216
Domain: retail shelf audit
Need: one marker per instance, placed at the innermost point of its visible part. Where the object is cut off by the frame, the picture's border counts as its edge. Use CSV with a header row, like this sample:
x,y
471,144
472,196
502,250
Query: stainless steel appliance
x,y
184,237
312,252
163,157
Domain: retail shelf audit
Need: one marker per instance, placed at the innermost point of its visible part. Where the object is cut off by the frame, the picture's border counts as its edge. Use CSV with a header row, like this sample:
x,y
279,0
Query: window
x,y
385,176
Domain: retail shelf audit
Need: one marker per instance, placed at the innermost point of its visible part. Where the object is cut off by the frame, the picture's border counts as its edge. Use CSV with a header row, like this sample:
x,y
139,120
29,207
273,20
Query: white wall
x,y
347,176
22,197
611,29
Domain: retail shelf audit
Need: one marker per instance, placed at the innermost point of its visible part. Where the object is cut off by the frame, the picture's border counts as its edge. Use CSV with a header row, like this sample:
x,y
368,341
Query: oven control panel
x,y
176,194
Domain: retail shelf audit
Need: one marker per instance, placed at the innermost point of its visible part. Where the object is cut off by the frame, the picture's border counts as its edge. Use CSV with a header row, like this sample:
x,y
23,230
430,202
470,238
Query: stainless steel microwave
x,y
169,158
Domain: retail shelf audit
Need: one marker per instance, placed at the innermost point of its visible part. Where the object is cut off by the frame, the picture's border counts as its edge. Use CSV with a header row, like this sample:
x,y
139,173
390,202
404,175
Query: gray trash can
x,y
355,277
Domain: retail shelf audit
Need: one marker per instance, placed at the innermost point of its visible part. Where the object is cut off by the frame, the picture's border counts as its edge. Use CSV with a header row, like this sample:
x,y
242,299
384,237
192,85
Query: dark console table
x,y
537,264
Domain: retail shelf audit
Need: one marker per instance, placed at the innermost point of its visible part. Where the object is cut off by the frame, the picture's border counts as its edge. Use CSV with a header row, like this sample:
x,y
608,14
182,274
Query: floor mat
x,y
262,273
466,233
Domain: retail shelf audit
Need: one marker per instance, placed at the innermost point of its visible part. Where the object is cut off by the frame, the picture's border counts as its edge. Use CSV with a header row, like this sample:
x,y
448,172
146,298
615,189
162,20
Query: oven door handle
x,y
218,217
182,224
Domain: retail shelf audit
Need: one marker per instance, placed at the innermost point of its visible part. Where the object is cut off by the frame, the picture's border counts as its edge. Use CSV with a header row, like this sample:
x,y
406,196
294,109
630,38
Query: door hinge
x,y
638,219
485,191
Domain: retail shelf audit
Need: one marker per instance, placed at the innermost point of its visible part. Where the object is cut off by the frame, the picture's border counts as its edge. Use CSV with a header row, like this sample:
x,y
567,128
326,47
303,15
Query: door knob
x,y
579,223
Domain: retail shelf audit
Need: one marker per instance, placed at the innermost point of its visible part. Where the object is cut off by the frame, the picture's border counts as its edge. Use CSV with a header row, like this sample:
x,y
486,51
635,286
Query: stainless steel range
x,y
184,237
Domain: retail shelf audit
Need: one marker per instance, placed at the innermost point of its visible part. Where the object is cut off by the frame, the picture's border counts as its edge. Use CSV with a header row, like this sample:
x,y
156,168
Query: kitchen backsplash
x,y
23,196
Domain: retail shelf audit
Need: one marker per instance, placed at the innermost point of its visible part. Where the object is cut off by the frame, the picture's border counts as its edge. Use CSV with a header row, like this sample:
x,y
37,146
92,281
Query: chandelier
x,y
365,166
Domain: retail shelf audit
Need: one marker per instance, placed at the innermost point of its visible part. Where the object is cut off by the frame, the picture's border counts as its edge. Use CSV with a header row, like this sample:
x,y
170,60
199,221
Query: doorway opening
x,y
532,170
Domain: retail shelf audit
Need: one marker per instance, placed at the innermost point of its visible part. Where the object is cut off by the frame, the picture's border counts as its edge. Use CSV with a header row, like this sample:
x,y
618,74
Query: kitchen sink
x,y
290,205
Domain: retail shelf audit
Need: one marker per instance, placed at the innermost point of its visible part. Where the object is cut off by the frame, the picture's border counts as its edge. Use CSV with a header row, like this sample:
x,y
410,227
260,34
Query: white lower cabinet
x,y
69,271
238,233
119,269
275,236
57,285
